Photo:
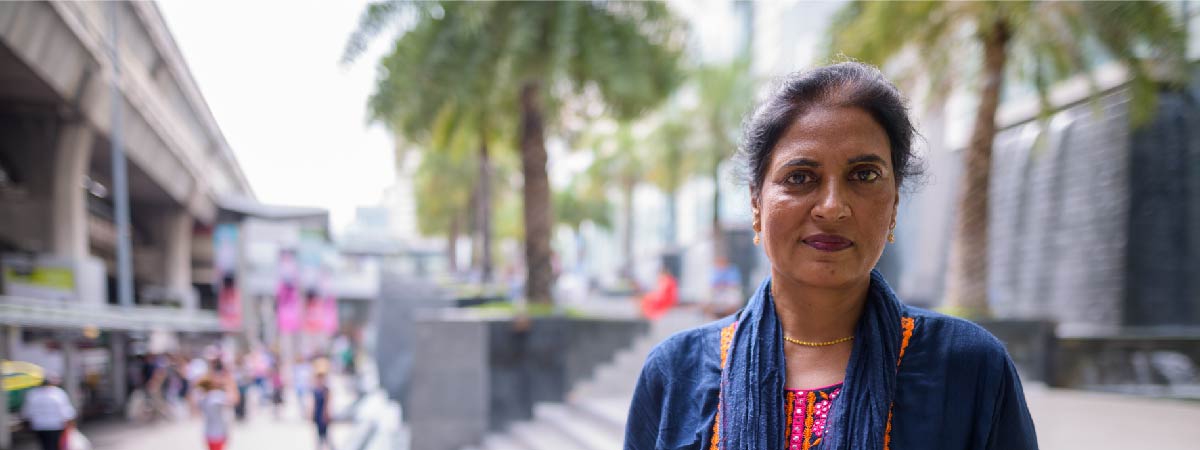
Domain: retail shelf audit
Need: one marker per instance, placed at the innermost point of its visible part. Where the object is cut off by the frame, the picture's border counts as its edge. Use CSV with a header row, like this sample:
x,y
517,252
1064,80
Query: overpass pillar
x,y
177,256
68,208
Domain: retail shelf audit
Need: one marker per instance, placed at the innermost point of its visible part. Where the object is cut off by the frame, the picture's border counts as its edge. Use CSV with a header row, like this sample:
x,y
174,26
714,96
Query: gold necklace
x,y
818,344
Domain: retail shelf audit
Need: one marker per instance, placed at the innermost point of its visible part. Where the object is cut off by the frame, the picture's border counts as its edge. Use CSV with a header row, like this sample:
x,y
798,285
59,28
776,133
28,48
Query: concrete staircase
x,y
593,417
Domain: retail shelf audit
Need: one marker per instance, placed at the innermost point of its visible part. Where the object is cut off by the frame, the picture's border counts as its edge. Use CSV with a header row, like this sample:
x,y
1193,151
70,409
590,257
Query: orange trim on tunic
x,y
907,323
726,340
791,405
808,420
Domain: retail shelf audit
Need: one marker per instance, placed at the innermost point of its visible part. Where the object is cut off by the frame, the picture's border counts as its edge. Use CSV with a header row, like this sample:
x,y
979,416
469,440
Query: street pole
x,y
5,430
120,197
120,181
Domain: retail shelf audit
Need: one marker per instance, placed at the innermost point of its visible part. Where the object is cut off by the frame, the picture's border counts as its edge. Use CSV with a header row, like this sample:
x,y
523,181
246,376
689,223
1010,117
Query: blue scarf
x,y
752,383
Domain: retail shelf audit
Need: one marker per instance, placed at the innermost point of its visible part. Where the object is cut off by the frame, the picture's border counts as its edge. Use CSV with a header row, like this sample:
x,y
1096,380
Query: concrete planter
x,y
1032,345
473,374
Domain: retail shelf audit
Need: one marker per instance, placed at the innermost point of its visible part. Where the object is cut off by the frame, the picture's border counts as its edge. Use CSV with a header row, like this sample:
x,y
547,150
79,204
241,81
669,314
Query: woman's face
x,y
828,198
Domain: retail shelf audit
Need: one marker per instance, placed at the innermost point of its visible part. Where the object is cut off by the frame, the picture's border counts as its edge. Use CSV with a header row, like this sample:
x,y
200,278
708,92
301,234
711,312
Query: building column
x,y
71,376
68,209
5,354
177,256
119,371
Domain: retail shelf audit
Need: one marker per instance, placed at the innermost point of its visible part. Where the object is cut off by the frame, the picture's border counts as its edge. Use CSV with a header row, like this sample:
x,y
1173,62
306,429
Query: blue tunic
x,y
955,386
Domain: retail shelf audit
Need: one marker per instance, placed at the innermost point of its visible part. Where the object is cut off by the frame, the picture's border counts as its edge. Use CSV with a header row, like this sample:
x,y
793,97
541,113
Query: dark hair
x,y
850,84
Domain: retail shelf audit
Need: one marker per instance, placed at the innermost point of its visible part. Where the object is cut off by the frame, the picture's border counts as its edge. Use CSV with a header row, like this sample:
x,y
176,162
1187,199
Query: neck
x,y
818,314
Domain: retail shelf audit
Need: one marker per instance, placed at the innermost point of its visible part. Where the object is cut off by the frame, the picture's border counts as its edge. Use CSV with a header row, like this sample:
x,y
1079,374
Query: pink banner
x,y
289,309
331,315
320,315
229,307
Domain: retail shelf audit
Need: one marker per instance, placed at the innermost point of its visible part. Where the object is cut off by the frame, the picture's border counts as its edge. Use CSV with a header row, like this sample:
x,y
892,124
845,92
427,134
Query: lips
x,y
828,242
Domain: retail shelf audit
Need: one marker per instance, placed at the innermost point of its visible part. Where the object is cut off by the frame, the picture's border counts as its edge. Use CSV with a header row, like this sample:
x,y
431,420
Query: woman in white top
x,y
49,412
217,396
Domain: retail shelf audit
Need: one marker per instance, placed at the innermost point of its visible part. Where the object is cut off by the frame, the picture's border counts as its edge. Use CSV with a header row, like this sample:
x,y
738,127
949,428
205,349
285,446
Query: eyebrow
x,y
866,158
805,162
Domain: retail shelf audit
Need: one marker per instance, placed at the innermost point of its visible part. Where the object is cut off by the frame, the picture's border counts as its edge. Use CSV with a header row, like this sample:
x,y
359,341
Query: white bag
x,y
77,441
136,408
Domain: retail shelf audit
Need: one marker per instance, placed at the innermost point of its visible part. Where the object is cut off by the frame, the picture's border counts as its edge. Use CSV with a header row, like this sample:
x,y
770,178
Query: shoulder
x,y
692,349
961,340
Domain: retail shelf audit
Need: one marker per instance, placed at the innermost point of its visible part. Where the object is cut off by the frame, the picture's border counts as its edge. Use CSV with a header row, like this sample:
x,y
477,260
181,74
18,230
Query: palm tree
x,y
668,167
617,158
441,199
725,91
1033,41
584,200
536,55
427,93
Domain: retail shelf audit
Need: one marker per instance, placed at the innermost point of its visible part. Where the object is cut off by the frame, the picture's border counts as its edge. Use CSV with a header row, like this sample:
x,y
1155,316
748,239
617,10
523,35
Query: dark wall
x,y
471,375
1164,216
1058,216
540,361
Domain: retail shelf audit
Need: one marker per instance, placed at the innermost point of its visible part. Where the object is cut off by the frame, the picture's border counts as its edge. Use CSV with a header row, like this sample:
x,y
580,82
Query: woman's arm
x,y
1012,426
645,411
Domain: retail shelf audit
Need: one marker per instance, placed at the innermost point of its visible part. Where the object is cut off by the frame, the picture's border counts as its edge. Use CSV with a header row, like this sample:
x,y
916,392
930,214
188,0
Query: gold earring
x,y
756,239
892,236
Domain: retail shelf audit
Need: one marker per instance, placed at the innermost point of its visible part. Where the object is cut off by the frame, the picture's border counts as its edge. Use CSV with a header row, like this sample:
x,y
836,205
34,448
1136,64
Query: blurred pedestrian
x,y
321,415
196,370
156,387
216,396
664,296
49,412
277,386
726,289
241,379
302,375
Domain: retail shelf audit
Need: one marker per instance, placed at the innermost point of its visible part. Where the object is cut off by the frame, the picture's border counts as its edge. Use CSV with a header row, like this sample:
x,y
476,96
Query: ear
x,y
754,204
895,208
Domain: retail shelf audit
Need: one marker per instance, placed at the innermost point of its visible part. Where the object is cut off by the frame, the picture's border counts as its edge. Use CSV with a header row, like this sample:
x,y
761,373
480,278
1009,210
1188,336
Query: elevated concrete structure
x,y
56,114
59,86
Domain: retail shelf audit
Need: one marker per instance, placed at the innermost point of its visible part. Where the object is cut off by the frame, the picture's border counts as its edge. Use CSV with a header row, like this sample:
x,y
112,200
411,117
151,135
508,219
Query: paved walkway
x,y
1070,419
260,430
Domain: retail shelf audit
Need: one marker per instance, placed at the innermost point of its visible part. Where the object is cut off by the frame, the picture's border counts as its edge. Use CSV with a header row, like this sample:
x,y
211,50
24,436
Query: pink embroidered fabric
x,y
807,415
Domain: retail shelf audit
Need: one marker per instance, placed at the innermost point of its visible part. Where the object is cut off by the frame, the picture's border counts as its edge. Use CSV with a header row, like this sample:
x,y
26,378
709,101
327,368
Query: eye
x,y
865,175
799,178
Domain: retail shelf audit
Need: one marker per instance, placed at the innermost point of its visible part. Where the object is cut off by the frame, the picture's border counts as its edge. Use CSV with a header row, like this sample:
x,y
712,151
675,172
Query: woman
x,y
217,394
824,356
321,414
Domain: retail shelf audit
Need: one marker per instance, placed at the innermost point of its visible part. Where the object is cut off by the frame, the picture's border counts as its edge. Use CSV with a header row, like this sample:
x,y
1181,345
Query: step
x,y
498,441
538,435
611,412
580,427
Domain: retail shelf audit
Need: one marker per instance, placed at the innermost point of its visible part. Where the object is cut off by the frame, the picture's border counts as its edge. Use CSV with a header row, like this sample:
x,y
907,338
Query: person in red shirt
x,y
664,296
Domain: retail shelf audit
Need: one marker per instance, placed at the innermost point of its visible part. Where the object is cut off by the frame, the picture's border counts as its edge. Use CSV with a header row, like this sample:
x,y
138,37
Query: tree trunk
x,y
476,233
483,215
966,280
452,244
673,180
672,219
627,239
538,216
717,198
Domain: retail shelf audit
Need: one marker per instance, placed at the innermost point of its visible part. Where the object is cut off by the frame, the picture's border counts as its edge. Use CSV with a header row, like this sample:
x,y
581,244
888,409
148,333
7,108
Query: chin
x,y
828,275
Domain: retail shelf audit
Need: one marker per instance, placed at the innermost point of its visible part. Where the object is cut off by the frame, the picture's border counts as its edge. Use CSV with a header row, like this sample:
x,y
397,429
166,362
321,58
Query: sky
x,y
293,115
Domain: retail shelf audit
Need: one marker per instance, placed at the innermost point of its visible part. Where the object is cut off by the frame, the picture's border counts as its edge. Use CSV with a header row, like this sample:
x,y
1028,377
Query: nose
x,y
831,206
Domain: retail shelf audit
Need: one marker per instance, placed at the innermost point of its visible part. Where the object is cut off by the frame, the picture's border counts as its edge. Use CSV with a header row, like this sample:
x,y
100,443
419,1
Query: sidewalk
x,y
1073,419
260,430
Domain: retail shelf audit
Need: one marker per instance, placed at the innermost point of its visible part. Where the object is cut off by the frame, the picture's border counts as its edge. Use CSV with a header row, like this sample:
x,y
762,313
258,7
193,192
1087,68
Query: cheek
x,y
876,214
781,212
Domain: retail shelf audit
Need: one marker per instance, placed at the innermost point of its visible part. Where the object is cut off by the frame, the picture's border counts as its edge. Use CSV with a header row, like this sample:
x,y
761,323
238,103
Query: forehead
x,y
832,135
